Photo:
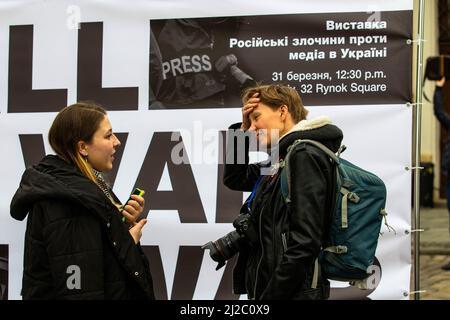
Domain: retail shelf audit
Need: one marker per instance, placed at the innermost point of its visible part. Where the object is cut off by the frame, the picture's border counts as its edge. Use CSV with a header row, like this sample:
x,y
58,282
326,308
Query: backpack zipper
x,y
262,253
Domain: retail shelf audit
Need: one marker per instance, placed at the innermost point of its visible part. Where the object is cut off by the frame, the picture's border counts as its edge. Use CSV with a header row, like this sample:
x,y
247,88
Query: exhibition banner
x,y
170,74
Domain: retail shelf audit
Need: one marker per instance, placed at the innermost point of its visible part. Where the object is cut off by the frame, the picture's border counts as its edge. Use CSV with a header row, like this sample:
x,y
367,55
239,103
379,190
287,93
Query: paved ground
x,y
435,281
435,252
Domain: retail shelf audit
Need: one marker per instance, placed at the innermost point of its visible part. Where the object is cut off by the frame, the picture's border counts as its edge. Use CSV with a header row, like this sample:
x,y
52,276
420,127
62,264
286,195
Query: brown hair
x,y
275,96
72,124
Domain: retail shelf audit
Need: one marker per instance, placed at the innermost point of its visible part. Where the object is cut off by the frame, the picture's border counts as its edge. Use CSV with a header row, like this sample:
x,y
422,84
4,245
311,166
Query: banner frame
x,y
417,117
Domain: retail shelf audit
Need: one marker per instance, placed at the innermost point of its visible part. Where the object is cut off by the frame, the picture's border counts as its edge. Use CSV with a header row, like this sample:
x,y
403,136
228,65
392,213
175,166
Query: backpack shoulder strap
x,y
286,173
322,147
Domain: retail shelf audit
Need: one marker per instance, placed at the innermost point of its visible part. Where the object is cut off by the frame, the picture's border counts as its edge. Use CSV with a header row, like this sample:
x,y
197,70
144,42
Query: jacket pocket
x,y
284,241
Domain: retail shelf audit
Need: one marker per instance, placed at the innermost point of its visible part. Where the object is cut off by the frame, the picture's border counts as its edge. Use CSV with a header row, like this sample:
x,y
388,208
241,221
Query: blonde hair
x,y
275,96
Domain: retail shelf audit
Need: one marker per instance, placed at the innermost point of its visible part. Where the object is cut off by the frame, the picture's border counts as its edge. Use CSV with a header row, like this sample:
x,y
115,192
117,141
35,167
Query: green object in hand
x,y
136,191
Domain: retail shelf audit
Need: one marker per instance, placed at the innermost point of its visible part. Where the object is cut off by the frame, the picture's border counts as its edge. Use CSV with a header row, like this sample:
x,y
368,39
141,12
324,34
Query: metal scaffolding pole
x,y
417,117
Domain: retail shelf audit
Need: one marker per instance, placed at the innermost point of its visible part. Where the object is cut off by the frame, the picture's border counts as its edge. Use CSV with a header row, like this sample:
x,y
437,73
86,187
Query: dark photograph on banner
x,y
3,272
192,66
331,58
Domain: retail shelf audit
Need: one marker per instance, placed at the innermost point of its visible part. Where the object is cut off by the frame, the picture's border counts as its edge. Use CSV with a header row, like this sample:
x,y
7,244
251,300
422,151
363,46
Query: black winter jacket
x,y
281,264
74,229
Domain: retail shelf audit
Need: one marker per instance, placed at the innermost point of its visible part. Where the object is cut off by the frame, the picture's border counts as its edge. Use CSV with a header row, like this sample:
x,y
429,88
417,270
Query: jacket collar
x,y
53,178
308,125
319,129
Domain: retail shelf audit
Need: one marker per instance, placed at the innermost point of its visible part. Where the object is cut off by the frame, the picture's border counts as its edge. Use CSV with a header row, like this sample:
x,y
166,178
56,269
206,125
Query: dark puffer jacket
x,y
281,264
73,230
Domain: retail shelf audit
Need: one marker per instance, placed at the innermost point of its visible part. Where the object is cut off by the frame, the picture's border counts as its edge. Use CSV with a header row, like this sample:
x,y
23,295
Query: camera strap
x,y
252,195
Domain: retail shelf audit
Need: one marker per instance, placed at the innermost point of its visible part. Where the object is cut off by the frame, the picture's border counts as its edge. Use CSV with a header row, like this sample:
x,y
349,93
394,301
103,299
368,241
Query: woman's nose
x,y
116,141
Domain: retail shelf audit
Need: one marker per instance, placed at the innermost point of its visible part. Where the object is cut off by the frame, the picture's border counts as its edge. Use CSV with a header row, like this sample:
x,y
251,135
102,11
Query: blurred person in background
x,y
444,120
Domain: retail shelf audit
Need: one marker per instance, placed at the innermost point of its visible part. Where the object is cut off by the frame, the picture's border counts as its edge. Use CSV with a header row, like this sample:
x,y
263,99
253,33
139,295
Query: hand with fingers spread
x,y
247,109
133,209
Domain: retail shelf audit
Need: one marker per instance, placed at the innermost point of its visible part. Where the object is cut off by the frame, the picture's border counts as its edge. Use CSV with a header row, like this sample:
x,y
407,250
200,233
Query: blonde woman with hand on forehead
x,y
280,264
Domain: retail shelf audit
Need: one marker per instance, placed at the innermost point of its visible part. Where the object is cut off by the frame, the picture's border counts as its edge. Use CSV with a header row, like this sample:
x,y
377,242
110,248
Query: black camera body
x,y
227,246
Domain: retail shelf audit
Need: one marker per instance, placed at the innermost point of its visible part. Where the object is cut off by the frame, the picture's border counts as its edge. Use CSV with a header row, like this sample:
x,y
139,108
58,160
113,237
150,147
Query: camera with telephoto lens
x,y
226,247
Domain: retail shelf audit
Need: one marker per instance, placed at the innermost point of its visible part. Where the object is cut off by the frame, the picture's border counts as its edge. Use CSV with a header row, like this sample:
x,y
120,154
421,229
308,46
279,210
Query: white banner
x,y
190,206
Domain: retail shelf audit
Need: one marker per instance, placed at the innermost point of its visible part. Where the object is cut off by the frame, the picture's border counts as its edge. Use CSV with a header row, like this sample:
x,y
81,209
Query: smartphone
x,y
136,191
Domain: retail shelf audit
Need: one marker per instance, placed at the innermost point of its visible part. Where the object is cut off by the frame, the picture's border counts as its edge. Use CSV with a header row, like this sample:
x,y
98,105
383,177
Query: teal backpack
x,y
355,222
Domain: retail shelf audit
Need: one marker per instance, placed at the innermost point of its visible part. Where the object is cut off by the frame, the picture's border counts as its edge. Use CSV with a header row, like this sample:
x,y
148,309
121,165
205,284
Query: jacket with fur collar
x,y
280,265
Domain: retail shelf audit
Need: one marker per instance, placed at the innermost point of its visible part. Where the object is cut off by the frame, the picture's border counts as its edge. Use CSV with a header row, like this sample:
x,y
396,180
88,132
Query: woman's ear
x,y
82,148
284,111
